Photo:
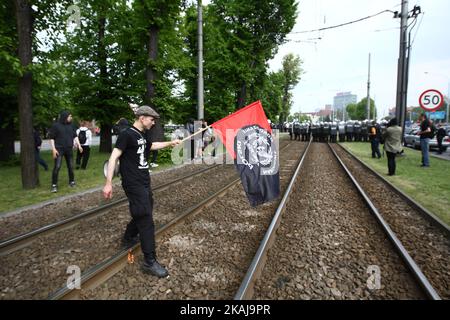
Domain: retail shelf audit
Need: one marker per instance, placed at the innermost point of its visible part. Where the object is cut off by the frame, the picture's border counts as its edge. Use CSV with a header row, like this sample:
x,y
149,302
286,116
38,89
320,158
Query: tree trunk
x,y
6,142
285,105
105,129
30,177
105,138
242,95
150,74
157,132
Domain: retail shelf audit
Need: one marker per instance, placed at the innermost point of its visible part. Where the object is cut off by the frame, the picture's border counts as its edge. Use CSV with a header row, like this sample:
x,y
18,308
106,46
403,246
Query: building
x,y
343,99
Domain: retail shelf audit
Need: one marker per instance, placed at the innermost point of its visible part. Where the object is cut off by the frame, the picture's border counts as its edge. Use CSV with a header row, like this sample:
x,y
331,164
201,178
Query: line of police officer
x,y
330,131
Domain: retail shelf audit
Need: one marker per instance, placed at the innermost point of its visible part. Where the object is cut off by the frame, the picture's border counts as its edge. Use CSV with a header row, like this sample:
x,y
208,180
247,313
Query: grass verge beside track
x,y
12,196
428,186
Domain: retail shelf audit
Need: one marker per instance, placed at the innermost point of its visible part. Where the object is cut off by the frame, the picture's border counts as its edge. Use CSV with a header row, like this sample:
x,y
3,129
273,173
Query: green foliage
x,y
359,111
291,76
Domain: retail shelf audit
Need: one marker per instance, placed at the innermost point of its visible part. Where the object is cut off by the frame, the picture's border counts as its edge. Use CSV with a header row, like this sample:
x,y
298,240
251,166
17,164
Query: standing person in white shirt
x,y
85,137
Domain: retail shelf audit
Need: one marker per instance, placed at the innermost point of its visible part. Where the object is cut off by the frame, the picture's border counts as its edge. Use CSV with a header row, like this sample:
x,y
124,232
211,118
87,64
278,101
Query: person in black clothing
x,y
120,126
37,149
375,137
425,137
440,134
132,147
62,135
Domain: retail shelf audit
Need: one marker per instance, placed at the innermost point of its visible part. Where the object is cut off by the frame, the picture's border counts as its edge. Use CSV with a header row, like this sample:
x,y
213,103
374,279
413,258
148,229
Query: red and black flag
x,y
247,136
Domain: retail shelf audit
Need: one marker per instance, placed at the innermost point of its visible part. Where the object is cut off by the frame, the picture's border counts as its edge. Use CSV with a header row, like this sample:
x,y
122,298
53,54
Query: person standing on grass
x,y
392,144
62,136
425,137
132,148
440,135
374,137
85,138
37,149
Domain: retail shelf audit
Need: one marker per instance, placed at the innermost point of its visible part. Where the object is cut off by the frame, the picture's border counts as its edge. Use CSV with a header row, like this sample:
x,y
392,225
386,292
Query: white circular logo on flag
x,y
254,146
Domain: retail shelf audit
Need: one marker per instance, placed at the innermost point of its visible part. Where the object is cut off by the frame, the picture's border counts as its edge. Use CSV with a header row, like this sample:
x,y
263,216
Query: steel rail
x,y
246,288
101,272
433,219
411,264
17,242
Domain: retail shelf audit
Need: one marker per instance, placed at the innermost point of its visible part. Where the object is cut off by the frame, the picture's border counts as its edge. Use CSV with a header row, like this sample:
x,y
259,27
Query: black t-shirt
x,y
135,146
423,127
63,134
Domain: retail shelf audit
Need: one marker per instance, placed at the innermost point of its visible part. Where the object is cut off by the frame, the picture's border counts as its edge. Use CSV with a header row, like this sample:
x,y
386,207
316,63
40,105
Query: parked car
x,y
413,139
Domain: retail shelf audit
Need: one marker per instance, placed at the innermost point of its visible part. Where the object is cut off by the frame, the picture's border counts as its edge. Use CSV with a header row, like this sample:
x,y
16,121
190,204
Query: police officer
x,y
326,132
357,131
333,132
314,132
296,130
133,147
303,131
349,131
341,131
364,130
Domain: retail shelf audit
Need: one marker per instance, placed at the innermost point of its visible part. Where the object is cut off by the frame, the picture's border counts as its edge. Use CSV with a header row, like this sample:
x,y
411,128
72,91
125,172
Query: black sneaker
x,y
72,184
154,268
128,243
54,188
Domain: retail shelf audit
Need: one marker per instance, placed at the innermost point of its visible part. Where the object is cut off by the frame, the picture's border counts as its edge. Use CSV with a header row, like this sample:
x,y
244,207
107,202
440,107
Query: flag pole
x,y
199,131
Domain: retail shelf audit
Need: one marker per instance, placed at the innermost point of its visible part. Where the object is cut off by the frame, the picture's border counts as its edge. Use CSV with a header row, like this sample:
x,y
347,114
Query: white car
x,y
413,139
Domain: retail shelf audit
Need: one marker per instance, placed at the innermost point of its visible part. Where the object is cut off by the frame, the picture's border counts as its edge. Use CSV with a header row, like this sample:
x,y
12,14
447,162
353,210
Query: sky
x,y
338,62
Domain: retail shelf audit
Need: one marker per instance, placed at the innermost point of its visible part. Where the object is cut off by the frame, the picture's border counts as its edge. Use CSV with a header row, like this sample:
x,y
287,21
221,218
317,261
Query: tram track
x,y
324,247
424,236
179,239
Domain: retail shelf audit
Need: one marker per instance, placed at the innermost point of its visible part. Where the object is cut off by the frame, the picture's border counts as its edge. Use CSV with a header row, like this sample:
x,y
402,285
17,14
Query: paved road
x,y
46,143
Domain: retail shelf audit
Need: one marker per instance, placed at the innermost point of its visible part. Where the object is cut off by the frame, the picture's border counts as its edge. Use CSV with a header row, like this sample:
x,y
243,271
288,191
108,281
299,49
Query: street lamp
x,y
448,92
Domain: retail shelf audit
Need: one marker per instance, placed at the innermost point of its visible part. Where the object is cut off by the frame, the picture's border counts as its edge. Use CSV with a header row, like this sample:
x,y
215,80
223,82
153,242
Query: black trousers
x,y
391,162
39,159
83,158
439,141
375,144
67,153
140,199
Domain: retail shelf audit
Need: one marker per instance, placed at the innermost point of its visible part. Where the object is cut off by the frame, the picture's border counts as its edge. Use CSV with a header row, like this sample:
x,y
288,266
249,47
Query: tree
x,y
24,18
359,111
291,74
254,30
10,70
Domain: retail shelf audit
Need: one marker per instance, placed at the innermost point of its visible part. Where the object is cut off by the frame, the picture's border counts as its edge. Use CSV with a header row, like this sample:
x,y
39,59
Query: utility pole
x,y
402,73
368,93
200,100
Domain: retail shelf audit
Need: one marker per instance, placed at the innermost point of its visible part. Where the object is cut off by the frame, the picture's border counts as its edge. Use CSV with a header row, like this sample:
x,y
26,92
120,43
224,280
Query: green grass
x,y
12,195
428,186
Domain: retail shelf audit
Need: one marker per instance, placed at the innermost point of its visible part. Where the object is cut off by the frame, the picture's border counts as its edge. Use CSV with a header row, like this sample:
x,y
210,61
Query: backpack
x,y
82,136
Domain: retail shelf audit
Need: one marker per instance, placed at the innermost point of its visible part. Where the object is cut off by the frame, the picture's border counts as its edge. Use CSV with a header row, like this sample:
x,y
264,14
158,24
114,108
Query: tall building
x,y
340,102
343,99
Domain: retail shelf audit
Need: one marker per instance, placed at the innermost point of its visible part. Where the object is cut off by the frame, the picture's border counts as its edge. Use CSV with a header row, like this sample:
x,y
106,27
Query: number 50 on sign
x,y
431,100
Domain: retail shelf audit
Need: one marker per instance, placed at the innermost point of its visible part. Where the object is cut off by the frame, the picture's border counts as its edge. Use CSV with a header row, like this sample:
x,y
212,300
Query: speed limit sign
x,y
431,100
